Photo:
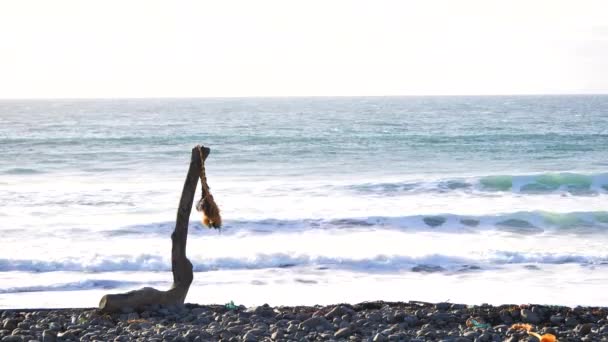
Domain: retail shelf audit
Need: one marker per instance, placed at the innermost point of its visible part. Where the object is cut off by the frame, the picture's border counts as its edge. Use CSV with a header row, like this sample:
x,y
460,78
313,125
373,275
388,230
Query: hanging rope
x,y
206,205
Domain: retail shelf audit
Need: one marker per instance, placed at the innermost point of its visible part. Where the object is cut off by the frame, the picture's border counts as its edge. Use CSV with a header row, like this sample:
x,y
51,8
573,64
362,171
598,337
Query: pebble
x,y
49,336
379,338
314,322
343,332
375,321
9,324
530,316
571,322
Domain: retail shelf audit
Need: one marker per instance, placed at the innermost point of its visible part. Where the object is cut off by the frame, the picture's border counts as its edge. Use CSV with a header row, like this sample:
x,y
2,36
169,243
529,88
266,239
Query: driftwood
x,y
180,265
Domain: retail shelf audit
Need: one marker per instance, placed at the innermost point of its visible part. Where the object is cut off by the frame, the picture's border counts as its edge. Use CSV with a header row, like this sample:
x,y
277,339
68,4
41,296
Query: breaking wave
x,y
378,263
524,222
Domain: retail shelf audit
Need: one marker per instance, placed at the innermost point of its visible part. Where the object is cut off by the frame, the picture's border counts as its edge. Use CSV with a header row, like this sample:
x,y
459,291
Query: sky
x,y
148,48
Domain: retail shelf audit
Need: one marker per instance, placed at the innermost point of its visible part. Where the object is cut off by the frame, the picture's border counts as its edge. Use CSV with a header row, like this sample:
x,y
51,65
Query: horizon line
x,y
290,96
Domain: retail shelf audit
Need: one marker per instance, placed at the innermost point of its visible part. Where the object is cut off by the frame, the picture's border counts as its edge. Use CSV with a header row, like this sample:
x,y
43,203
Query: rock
x,y
374,317
292,328
571,322
250,337
313,322
11,338
55,326
390,318
556,319
24,325
9,324
380,338
343,332
505,317
394,337
471,334
441,317
442,306
529,316
277,335
485,337
19,331
339,311
163,312
236,329
263,310
411,320
49,336
66,335
133,316
460,339
583,329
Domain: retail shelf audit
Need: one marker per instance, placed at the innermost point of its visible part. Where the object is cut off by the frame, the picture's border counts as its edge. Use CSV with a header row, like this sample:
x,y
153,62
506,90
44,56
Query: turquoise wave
x,y
571,183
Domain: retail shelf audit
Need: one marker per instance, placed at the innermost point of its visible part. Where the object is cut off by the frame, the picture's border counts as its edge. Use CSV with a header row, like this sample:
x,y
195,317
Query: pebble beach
x,y
368,321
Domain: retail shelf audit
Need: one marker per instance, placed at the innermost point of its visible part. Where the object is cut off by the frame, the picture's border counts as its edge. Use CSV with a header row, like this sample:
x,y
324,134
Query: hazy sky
x,y
149,48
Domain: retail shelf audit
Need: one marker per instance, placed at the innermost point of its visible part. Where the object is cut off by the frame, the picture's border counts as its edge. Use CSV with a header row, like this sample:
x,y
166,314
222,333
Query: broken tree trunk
x,y
180,265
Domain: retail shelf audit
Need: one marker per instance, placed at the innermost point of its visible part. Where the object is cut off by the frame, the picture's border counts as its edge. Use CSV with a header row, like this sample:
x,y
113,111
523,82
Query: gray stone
x,y
263,310
11,338
55,326
460,339
583,329
251,337
442,316
10,324
343,332
529,316
505,317
49,336
442,306
556,319
374,317
313,322
471,334
19,331
339,311
24,325
132,316
292,328
380,338
394,337
277,335
411,320
571,322
66,336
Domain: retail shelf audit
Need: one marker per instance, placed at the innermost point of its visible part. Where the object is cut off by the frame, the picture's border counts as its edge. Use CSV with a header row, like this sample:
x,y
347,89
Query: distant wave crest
x,y
569,183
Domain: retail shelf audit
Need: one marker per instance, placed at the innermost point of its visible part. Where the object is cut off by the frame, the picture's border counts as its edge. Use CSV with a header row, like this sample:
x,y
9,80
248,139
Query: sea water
x,y
464,199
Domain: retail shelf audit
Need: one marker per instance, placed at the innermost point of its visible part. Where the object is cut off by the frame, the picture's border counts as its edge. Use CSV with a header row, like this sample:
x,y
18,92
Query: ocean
x,y
494,199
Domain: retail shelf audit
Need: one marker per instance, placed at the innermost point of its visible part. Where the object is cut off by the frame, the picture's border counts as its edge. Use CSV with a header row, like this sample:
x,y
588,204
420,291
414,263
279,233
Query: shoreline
x,y
367,321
